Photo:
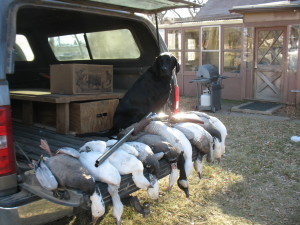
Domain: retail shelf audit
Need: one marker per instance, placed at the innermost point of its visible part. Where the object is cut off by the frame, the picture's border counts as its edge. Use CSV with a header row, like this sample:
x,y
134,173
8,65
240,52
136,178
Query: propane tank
x,y
205,98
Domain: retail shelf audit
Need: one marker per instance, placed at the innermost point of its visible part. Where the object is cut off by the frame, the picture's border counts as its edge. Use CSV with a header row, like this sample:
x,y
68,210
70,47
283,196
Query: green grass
x,y
257,182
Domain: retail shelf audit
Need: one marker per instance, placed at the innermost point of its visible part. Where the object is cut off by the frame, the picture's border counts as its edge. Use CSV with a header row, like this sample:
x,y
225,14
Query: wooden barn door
x,y
270,57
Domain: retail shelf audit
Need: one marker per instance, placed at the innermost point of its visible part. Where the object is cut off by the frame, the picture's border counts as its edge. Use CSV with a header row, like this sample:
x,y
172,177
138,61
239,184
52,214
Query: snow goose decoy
x,y
70,173
207,124
105,173
97,206
151,164
201,140
178,140
125,147
127,163
217,129
175,138
159,144
146,155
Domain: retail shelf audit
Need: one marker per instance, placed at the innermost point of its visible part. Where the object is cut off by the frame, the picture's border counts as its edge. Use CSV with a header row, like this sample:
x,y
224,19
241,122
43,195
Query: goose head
x,y
68,151
183,185
97,206
173,175
198,165
151,164
217,149
153,192
171,156
170,153
95,146
206,145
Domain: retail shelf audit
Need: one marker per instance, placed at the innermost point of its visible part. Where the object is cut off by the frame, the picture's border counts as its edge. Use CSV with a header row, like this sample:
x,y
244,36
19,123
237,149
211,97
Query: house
x,y
254,43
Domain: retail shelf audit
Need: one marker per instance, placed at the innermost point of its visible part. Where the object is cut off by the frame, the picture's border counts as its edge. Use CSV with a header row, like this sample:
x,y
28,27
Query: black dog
x,y
148,94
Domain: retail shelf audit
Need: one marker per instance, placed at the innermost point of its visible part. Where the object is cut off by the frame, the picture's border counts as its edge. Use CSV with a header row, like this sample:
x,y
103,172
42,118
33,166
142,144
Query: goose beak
x,y
94,220
200,175
187,193
183,185
185,190
174,166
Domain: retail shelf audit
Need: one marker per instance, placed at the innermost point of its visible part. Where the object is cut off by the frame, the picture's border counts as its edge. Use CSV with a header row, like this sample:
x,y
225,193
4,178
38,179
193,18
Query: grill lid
x,y
208,71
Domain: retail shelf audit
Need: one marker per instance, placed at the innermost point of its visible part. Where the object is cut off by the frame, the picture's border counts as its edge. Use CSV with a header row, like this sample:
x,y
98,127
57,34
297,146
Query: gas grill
x,y
208,76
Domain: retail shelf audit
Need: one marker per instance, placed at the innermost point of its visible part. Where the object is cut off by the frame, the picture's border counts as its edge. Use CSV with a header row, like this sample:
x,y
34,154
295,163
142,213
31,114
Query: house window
x,y
248,47
232,49
174,43
210,45
293,47
191,61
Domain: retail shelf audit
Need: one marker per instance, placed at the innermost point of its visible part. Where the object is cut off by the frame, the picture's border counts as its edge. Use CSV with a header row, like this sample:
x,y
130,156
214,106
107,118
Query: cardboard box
x,y
87,117
80,78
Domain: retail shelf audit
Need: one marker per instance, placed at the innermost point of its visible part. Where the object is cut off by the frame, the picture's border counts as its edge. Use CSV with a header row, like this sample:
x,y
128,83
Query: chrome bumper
x,y
37,212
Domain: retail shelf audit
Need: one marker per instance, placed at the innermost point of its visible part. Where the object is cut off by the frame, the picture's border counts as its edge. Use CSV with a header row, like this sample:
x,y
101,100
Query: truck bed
x,y
27,141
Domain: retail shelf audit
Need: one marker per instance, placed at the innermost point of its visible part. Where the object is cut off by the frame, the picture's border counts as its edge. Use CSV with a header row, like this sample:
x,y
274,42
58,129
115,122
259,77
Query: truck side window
x,y
22,49
112,44
69,47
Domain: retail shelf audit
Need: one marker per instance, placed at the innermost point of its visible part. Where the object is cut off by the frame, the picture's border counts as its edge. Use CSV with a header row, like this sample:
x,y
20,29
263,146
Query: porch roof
x,y
220,9
273,6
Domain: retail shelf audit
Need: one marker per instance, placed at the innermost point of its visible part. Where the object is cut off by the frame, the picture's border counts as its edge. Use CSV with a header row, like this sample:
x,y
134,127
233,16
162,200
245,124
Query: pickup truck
x,y
37,34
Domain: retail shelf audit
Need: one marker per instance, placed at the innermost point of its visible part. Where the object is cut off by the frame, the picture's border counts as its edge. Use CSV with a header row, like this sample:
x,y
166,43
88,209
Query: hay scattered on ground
x,y
258,181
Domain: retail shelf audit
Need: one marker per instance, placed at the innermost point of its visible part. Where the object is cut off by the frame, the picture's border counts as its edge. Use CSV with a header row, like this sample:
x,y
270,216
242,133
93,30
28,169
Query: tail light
x,y
7,154
176,99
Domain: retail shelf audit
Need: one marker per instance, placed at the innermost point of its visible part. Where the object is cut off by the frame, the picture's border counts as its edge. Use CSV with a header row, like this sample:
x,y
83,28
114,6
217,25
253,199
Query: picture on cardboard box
x,y
86,81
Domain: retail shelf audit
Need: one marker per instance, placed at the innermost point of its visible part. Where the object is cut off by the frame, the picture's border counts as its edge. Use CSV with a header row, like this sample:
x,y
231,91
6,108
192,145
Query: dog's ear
x,y
176,64
177,67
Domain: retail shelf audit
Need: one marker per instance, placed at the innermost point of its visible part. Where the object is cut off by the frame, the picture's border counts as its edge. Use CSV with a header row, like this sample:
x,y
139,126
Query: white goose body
x,y
143,149
105,172
199,137
211,122
221,127
201,140
128,164
159,144
175,138
146,155
125,147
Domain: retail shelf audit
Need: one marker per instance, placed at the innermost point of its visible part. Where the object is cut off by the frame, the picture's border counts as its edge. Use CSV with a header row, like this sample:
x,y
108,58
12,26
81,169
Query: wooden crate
x,y
86,117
